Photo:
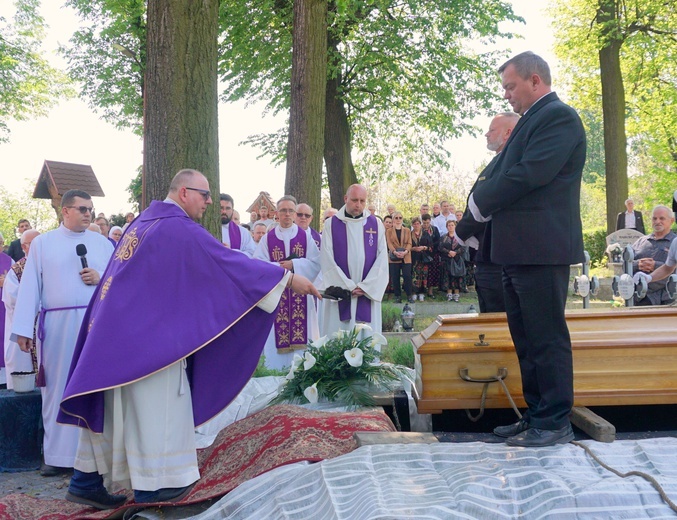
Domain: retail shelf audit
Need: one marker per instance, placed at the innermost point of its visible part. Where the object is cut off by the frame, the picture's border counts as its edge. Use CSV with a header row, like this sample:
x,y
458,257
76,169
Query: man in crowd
x,y
488,276
296,323
57,283
630,219
651,251
390,209
663,271
304,216
440,221
15,251
259,231
233,235
104,225
424,210
137,389
263,216
354,256
15,359
532,204
328,213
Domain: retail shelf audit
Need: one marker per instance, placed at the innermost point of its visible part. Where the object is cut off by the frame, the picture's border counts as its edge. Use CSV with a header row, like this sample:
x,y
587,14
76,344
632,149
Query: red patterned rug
x,y
275,436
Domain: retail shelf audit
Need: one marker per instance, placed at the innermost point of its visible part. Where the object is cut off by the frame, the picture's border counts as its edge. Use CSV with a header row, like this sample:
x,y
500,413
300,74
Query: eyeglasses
x,y
397,218
205,193
286,210
304,215
83,209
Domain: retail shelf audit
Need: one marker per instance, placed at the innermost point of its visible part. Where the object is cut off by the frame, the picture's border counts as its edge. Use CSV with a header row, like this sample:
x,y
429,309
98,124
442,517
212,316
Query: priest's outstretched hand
x,y
301,285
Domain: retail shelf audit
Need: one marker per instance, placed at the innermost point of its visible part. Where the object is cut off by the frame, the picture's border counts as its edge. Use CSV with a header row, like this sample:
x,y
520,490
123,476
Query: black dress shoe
x,y
537,438
163,495
100,499
52,471
511,429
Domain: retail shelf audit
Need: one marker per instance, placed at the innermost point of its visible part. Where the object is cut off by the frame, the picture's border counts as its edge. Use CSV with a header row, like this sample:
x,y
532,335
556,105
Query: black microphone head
x,y
81,249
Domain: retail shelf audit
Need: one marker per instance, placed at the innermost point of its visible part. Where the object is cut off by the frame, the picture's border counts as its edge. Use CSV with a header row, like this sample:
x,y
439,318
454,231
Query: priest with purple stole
x,y
354,256
233,235
296,320
161,350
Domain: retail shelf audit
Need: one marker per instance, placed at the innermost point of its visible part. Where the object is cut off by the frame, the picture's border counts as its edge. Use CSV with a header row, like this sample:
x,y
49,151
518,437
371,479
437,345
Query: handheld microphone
x,y
81,251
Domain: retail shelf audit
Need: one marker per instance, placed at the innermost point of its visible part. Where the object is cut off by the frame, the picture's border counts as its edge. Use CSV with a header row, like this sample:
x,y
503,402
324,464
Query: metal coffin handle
x,y
501,374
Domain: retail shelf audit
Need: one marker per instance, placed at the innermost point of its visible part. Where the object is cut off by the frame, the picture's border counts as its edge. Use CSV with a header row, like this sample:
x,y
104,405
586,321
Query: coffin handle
x,y
500,375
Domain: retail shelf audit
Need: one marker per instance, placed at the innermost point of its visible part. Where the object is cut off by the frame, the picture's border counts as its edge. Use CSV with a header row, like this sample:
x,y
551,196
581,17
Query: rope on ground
x,y
484,399
641,474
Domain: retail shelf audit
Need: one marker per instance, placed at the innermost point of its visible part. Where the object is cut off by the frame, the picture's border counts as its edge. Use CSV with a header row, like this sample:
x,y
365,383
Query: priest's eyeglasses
x,y
205,193
304,215
83,209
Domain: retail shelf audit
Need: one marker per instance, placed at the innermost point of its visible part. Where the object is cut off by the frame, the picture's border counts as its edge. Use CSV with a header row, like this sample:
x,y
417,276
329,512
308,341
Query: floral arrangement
x,y
340,368
614,249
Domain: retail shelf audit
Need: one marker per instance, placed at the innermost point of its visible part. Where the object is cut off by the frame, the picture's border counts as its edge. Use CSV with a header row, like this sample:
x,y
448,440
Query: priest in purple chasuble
x,y
233,235
15,359
354,257
161,350
296,319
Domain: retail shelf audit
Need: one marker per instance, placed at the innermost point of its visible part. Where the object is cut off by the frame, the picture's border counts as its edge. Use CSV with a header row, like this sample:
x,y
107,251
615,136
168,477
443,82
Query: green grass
x,y
398,352
262,370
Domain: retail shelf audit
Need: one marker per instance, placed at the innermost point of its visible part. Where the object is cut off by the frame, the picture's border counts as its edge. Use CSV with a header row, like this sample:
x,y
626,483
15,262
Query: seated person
x,y
651,251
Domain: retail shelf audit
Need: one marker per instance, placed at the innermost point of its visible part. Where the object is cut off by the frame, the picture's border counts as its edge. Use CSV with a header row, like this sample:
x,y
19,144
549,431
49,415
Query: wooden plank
x,y
372,438
595,426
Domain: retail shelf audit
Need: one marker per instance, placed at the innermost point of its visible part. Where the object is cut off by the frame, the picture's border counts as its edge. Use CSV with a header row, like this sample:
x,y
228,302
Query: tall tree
x,y
181,118
620,57
29,86
306,112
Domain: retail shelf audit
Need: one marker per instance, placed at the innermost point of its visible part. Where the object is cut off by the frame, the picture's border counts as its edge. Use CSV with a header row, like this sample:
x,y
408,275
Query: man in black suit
x,y
630,219
532,204
488,276
14,249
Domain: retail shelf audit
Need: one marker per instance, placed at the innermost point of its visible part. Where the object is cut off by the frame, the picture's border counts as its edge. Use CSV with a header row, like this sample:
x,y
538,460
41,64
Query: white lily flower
x,y
296,362
311,394
378,339
309,361
354,357
362,326
290,375
341,334
321,342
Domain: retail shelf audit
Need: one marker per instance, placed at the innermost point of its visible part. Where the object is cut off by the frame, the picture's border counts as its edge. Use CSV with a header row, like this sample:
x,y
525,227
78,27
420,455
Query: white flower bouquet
x,y
339,369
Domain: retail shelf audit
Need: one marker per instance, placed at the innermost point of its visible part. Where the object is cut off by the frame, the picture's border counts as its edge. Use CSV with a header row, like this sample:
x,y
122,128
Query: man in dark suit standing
x,y
532,204
630,219
488,276
15,250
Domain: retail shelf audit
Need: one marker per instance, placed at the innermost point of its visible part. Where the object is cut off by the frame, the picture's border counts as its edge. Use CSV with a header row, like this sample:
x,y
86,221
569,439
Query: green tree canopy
x,y
29,86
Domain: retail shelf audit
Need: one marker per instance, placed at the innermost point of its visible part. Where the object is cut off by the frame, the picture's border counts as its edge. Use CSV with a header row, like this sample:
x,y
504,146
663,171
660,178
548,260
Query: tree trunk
x,y
306,115
613,108
337,145
180,105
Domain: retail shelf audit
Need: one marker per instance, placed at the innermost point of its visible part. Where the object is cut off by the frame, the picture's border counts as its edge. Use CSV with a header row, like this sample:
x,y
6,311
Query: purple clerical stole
x,y
5,266
339,235
234,235
316,237
291,321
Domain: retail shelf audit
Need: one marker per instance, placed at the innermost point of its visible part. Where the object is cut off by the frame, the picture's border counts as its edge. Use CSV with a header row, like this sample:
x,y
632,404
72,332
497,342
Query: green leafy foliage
x,y
13,208
594,242
263,371
29,86
327,372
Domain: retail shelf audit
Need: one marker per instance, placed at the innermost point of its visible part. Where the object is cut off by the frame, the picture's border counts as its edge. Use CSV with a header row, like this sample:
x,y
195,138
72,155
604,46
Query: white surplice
x,y
16,360
373,284
308,267
51,280
148,439
247,244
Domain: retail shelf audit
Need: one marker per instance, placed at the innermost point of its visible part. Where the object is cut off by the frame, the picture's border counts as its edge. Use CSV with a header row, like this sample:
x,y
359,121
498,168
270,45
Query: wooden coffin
x,y
621,357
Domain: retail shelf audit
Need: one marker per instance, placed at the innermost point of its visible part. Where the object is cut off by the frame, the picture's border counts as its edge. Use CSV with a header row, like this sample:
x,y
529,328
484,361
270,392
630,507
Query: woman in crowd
x,y
114,234
422,248
388,224
454,256
398,239
434,267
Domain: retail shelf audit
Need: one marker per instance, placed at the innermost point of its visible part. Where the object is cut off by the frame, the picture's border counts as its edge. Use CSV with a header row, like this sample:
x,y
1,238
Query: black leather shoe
x,y
163,495
511,429
100,499
52,471
537,438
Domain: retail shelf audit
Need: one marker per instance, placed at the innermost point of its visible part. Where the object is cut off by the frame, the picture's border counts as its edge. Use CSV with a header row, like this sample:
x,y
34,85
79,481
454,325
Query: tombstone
x,y
623,237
